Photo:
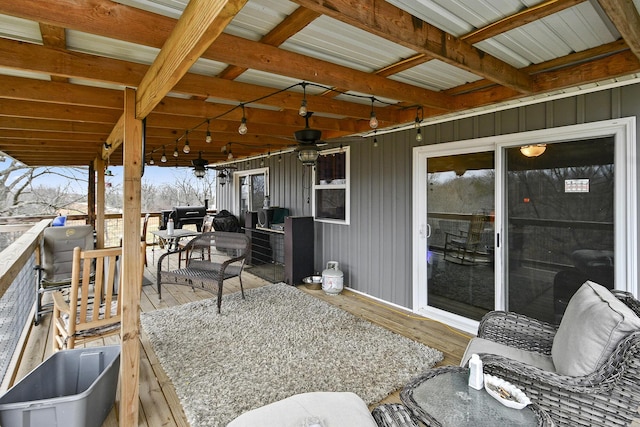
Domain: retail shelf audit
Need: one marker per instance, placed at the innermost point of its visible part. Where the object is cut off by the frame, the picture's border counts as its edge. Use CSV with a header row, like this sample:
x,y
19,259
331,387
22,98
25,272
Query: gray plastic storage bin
x,y
72,388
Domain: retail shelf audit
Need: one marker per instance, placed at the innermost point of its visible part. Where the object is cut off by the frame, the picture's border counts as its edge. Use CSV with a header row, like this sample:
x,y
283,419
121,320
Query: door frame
x,y
625,218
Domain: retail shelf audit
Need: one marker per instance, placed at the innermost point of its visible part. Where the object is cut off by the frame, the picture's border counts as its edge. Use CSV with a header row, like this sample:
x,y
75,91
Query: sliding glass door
x,y
560,224
460,257
499,226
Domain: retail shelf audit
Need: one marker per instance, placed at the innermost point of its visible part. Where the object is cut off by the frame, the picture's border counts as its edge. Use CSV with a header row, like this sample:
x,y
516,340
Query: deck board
x,y
159,403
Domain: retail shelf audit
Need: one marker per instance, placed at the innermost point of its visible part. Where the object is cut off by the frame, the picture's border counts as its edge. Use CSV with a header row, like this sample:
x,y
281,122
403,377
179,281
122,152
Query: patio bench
x,y
210,259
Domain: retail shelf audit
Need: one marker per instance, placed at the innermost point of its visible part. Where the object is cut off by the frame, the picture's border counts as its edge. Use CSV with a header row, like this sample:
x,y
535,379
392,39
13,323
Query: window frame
x,y
346,186
237,175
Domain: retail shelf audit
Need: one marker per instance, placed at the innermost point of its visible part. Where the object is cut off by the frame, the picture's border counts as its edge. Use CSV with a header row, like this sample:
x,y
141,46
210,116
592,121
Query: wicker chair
x,y
610,396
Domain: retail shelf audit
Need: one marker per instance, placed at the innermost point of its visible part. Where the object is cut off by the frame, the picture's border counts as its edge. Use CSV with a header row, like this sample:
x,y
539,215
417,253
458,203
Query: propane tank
x,y
332,279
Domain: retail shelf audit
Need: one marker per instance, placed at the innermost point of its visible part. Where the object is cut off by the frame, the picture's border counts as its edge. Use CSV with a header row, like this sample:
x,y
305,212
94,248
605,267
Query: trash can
x,y
72,388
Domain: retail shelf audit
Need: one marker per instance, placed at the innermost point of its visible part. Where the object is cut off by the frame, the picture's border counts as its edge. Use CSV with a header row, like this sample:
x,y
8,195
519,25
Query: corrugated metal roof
x,y
435,75
333,41
328,41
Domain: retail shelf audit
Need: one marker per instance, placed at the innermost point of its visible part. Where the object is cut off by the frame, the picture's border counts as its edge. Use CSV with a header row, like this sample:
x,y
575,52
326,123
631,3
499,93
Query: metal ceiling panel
x,y
20,29
572,30
26,74
171,8
111,48
333,41
435,75
460,17
258,17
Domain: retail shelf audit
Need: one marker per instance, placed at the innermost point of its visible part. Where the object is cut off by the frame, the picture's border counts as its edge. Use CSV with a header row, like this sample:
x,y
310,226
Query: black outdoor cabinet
x,y
298,248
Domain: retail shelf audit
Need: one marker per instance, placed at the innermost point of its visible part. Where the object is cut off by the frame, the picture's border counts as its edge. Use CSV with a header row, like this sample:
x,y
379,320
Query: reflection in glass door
x,y
460,217
560,224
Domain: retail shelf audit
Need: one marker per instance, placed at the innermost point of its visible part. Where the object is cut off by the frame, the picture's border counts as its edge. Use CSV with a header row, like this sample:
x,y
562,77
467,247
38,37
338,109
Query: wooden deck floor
x,y
159,404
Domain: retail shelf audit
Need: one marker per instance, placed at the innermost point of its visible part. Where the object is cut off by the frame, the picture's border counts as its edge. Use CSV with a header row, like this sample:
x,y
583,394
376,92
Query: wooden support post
x,y
100,204
131,265
91,196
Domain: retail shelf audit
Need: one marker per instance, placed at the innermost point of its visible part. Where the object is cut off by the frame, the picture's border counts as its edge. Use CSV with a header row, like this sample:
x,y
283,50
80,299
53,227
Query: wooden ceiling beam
x,y
40,110
625,17
18,123
518,19
300,18
122,73
199,25
36,135
114,20
609,67
53,36
394,24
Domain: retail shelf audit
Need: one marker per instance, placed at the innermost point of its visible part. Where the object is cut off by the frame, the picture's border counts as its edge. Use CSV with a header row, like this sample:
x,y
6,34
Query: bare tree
x,y
20,196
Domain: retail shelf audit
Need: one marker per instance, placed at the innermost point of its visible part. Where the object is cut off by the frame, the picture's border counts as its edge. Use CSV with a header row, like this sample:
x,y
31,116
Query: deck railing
x,y
22,236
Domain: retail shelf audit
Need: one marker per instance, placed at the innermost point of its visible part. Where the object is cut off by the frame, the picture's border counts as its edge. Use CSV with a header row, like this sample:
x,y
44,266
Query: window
x,y
252,187
331,186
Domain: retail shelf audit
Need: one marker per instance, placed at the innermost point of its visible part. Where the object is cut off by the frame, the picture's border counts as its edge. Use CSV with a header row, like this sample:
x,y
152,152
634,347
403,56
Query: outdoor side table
x,y
172,240
442,397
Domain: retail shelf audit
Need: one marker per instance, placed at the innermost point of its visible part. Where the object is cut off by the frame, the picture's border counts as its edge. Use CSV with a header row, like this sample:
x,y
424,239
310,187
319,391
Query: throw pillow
x,y
593,324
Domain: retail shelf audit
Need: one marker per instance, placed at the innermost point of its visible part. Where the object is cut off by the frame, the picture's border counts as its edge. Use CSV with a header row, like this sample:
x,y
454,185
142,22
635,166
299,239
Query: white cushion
x,y
593,324
333,409
481,345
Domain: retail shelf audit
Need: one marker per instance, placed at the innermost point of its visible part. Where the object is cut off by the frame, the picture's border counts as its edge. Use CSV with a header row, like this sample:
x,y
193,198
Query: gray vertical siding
x,y
374,251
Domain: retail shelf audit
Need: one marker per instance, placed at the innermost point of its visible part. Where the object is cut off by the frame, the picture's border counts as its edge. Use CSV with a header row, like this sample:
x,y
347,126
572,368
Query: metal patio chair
x,y
56,261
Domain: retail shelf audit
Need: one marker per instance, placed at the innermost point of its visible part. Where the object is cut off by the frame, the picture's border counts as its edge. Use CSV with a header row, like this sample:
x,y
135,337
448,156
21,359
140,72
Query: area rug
x,y
278,342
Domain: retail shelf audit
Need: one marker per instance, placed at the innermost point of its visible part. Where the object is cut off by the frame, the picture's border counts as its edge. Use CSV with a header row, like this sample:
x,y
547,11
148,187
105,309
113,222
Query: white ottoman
x,y
333,409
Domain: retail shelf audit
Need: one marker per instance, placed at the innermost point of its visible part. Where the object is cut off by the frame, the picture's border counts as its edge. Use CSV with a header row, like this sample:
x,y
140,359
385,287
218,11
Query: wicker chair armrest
x,y
623,361
528,376
517,330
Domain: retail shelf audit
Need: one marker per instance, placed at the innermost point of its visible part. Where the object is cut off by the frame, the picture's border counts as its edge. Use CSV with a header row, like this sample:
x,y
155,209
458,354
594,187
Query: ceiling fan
x,y
307,139
200,167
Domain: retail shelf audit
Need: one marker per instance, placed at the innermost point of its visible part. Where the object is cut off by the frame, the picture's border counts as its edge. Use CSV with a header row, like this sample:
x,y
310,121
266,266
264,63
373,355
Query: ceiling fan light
x,y
199,172
308,156
222,178
533,150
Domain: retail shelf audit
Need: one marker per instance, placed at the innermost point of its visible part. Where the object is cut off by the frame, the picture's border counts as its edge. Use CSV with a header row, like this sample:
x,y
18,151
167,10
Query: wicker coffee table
x,y
442,397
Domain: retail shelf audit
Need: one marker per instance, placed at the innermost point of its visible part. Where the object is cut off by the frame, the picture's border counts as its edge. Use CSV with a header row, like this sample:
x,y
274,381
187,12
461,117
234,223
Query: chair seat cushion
x,y
332,409
481,345
593,324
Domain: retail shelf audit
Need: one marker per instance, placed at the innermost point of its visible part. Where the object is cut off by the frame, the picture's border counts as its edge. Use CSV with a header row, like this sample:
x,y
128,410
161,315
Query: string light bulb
x,y
419,119
151,162
163,159
303,106
175,151
187,148
208,139
373,120
242,129
230,155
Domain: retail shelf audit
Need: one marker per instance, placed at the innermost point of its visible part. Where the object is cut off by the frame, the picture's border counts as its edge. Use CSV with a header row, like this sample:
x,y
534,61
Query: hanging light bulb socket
x,y
208,138
373,120
303,105
242,129
419,118
187,148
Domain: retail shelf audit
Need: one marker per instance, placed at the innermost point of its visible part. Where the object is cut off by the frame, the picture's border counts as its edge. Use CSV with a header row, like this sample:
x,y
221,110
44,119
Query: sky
x,y
152,174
